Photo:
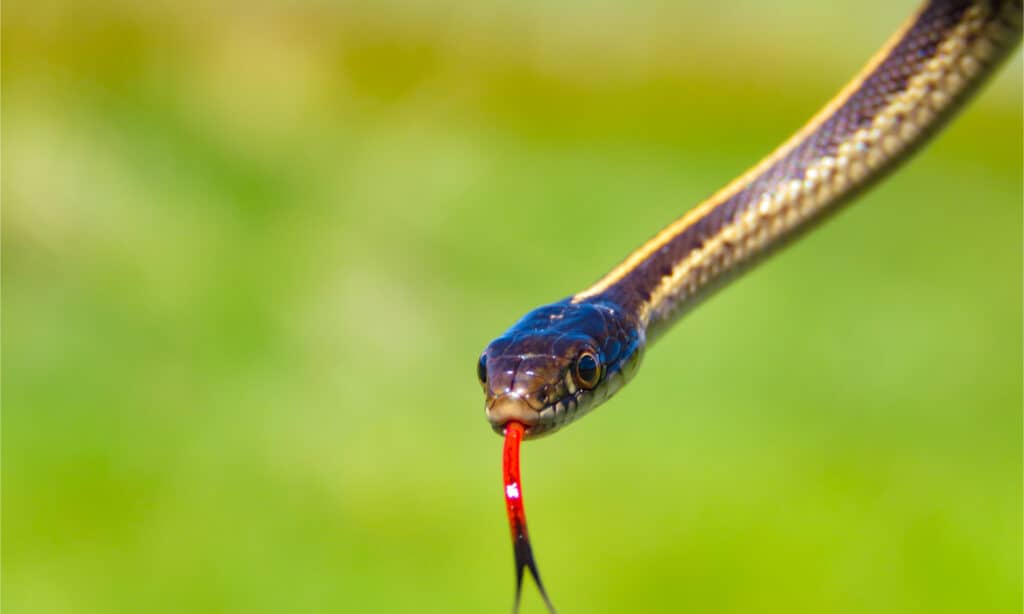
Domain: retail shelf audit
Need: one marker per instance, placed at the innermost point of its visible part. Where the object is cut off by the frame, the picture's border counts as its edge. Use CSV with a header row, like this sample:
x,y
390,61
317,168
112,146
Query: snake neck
x,y
909,89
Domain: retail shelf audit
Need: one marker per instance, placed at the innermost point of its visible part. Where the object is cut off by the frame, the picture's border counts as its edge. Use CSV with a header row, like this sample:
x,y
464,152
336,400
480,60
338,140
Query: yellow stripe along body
x,y
904,93
562,360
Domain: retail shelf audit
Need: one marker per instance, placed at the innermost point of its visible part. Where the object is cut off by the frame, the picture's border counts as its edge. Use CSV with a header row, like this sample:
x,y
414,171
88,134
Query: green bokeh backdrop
x,y
251,253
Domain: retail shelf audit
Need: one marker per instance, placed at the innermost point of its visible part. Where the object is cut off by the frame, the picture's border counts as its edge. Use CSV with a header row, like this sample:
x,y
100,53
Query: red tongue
x,y
517,514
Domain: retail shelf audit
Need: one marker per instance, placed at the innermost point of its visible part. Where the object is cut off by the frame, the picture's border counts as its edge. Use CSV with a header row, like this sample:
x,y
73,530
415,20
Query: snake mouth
x,y
513,408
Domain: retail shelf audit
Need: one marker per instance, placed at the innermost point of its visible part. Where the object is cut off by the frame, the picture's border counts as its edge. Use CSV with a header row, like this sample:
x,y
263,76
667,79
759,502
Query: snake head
x,y
557,363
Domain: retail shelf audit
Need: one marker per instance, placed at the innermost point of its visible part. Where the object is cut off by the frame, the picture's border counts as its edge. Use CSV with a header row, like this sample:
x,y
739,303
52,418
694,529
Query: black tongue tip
x,y
524,560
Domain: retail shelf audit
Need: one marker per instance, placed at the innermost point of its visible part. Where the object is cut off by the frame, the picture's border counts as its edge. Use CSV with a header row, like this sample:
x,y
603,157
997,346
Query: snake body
x,y
561,360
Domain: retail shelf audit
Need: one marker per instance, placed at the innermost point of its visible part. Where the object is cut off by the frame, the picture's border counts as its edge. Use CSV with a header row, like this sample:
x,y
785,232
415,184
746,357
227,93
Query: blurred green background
x,y
251,252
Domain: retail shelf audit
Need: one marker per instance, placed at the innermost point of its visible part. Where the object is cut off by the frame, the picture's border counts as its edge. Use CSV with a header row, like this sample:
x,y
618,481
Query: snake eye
x,y
481,369
588,370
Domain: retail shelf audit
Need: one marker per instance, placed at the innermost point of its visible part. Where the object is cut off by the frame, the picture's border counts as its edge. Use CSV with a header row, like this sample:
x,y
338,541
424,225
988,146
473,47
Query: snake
x,y
560,361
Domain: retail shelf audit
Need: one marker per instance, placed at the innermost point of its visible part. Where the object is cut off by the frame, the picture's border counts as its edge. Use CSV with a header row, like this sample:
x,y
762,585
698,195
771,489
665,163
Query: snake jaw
x,y
536,422
511,407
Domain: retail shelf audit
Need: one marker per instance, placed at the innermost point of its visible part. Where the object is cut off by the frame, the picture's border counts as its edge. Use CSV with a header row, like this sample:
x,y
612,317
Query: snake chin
x,y
512,408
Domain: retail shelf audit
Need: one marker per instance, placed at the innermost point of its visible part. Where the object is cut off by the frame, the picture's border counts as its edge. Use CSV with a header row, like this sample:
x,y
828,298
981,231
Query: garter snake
x,y
562,360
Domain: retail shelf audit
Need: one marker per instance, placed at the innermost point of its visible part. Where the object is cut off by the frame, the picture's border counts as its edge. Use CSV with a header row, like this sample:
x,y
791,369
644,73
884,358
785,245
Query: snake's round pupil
x,y
588,370
481,369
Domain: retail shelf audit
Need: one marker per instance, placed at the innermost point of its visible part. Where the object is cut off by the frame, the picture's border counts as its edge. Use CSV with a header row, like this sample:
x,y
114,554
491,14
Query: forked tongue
x,y
517,515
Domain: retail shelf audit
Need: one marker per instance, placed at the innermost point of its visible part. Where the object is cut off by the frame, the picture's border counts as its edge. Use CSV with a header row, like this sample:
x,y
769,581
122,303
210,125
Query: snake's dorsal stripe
x,y
895,101
690,217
